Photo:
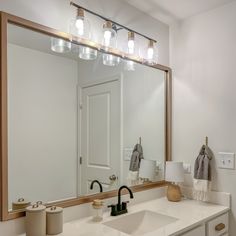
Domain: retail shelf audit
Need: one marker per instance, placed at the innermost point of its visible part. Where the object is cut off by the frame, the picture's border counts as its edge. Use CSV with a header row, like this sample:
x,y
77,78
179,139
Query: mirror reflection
x,y
79,121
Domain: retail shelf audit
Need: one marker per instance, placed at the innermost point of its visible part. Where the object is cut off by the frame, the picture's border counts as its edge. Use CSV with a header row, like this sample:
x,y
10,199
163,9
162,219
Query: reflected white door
x,y
100,140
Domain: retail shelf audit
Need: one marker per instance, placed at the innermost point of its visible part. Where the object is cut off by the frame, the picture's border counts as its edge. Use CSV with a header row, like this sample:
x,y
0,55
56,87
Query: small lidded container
x,y
36,220
20,204
97,210
54,220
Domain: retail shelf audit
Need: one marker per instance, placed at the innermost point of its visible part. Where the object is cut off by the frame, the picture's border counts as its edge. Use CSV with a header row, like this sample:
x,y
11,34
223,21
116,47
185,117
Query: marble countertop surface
x,y
189,213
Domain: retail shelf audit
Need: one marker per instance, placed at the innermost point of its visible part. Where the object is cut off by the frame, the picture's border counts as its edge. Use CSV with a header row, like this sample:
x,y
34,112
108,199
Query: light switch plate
x,y
128,153
226,160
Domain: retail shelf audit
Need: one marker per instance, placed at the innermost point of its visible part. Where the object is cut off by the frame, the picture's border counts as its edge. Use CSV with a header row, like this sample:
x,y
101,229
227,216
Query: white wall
x,y
144,113
203,56
57,13
42,123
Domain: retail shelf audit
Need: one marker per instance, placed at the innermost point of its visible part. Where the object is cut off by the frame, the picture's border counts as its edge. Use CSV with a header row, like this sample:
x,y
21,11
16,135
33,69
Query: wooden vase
x,y
174,193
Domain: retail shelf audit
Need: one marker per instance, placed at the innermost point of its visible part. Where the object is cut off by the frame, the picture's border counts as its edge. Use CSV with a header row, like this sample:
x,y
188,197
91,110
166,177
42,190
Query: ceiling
x,y
172,10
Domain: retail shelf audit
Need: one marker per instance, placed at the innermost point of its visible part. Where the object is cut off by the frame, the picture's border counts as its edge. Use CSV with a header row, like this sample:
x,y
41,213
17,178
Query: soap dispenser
x,y
97,210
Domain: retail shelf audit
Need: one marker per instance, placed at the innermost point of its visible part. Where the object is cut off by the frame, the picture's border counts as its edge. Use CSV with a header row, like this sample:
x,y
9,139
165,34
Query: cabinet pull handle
x,y
219,227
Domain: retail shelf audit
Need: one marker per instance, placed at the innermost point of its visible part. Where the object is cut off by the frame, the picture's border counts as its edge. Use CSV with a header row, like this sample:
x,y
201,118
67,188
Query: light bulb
x,y
107,38
131,46
150,53
80,26
131,43
109,35
79,22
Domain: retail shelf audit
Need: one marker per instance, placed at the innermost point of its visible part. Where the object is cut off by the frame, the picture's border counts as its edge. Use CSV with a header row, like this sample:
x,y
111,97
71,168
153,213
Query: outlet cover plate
x,y
128,153
187,168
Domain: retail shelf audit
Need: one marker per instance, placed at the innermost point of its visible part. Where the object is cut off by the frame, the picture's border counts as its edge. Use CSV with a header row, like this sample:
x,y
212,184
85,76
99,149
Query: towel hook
x,y
206,141
140,140
207,146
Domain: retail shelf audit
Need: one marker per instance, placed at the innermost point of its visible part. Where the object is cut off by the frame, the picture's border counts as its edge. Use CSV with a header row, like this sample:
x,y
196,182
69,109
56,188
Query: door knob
x,y
113,177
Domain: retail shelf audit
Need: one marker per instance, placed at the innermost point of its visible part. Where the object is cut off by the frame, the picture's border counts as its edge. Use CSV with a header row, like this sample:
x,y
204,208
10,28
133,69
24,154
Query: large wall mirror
x,y
72,121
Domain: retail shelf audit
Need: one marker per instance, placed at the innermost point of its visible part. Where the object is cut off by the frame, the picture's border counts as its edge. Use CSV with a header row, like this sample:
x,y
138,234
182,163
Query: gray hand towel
x,y
202,167
136,157
202,174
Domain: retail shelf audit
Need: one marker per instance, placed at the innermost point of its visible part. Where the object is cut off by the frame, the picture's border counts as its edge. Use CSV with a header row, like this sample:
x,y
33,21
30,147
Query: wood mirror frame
x,y
8,18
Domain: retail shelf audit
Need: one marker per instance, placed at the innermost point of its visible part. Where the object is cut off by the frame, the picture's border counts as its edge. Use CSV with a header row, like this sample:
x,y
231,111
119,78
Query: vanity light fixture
x,y
60,45
80,27
109,41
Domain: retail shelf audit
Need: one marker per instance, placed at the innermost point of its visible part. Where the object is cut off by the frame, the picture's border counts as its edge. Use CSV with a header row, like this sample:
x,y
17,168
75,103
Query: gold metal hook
x,y
206,141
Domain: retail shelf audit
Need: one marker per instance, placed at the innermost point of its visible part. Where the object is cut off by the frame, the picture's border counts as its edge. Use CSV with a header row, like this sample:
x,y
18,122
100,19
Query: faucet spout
x,y
119,193
100,186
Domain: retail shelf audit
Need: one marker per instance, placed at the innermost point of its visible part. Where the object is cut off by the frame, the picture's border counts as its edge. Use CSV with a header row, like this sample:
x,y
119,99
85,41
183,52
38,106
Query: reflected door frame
x,y
115,78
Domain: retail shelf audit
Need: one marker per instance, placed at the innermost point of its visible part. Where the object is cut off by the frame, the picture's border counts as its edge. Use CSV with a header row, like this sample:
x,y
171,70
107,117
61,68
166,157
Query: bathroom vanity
x,y
157,218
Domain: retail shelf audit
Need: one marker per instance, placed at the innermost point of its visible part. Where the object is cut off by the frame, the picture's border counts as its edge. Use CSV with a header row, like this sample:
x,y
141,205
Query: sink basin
x,y
140,223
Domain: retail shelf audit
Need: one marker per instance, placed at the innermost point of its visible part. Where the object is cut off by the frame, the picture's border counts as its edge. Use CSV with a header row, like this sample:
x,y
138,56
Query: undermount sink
x,y
140,223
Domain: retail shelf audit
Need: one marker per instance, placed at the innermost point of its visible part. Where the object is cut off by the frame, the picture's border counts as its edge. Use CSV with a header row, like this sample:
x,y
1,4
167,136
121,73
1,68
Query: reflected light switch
x,y
226,160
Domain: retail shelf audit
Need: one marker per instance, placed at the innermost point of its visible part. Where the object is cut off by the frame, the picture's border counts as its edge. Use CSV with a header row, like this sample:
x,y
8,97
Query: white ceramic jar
x,y
54,217
36,220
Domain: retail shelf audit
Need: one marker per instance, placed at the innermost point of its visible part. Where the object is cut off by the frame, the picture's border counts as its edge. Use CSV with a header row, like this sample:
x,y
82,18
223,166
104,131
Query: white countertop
x,y
189,213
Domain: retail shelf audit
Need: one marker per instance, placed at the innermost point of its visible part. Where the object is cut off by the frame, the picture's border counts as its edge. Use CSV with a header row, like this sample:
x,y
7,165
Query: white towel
x,y
201,189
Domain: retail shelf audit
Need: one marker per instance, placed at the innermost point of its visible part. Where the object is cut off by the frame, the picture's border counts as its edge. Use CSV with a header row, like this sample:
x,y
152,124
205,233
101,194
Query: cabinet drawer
x,y
218,226
199,231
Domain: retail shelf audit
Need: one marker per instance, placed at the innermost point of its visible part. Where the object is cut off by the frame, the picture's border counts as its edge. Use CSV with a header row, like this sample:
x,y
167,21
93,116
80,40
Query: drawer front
x,y
218,226
199,231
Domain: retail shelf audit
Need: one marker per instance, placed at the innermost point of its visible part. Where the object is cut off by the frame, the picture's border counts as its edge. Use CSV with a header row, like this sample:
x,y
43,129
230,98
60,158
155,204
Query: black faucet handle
x,y
124,205
125,202
113,209
112,206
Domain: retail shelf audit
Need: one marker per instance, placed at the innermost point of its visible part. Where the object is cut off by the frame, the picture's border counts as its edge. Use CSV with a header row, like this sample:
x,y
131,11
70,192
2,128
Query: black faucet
x,y
121,207
100,186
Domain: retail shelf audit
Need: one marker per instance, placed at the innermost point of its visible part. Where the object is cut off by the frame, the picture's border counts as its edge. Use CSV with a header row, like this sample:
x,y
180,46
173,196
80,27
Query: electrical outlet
x,y
226,160
128,153
187,168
